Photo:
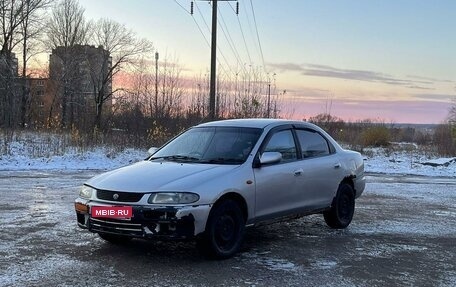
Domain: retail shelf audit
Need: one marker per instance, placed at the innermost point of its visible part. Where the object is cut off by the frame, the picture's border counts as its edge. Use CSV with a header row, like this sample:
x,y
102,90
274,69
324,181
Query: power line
x,y
207,41
249,24
243,36
199,27
232,8
202,16
218,48
228,37
258,36
230,40
226,34
181,6
201,31
213,47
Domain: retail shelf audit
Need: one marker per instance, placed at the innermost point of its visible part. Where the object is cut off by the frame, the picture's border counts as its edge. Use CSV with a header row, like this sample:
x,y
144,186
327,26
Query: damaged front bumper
x,y
149,222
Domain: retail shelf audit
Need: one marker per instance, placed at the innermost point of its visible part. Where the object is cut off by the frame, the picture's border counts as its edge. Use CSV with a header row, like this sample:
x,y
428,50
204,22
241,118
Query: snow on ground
x,y
379,160
98,159
21,156
47,153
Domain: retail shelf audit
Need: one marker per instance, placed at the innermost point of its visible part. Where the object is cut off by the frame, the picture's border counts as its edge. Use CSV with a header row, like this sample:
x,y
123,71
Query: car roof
x,y
268,123
252,123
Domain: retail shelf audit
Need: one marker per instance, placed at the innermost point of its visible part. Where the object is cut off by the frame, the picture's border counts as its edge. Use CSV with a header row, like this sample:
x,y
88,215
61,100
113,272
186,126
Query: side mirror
x,y
270,157
152,150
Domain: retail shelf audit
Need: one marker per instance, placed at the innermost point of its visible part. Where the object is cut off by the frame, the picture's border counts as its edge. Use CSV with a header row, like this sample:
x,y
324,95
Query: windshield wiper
x,y
177,158
222,160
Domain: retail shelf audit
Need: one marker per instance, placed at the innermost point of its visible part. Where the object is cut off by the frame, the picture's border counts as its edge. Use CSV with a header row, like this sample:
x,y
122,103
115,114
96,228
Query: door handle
x,y
337,165
298,172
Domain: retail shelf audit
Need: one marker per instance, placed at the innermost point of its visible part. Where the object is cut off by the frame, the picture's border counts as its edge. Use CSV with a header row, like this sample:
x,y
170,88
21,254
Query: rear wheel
x,y
115,239
342,209
224,231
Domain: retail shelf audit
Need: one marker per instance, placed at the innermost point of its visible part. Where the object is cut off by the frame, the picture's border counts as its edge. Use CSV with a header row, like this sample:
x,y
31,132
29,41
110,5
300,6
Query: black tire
x,y
342,209
114,239
224,231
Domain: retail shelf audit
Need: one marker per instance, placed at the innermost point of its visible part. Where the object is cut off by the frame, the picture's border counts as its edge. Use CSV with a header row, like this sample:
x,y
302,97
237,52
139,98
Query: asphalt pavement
x,y
403,234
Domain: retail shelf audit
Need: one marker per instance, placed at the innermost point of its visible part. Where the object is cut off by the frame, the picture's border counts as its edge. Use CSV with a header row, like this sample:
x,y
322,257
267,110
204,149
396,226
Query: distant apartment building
x,y
40,100
76,75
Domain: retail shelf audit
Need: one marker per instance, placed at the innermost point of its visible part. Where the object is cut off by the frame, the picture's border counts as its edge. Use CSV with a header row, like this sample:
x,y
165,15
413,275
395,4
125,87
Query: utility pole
x,y
212,89
212,113
269,94
156,85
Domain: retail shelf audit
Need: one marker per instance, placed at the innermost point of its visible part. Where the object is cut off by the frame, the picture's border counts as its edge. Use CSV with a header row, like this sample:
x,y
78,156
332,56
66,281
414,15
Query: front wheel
x,y
342,209
224,231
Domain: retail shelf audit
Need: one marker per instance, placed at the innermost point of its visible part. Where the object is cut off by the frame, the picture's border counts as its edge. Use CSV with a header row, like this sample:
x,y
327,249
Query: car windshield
x,y
218,145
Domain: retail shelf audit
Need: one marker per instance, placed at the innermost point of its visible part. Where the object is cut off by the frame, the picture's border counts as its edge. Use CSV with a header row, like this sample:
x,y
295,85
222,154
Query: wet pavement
x,y
403,234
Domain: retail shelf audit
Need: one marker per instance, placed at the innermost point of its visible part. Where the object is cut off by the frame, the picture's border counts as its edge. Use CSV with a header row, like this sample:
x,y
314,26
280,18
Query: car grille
x,y
121,196
115,226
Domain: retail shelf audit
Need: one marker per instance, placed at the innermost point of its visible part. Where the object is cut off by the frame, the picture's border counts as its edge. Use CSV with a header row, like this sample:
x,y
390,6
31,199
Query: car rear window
x,y
312,144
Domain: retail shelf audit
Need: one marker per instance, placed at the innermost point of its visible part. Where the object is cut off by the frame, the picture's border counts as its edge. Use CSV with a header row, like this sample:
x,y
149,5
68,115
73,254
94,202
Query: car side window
x,y
283,142
312,144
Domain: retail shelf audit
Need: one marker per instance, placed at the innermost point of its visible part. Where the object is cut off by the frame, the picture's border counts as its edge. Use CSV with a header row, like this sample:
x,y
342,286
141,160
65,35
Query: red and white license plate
x,y
121,212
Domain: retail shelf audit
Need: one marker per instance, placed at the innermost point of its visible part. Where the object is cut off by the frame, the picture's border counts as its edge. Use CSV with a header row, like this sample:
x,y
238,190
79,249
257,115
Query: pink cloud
x,y
426,112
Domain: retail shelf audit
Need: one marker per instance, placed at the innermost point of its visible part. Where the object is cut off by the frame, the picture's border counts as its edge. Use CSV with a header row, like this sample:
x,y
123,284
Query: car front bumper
x,y
149,222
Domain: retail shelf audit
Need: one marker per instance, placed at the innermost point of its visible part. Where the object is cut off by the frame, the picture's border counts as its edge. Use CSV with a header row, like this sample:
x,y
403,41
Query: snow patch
x,y
98,159
380,160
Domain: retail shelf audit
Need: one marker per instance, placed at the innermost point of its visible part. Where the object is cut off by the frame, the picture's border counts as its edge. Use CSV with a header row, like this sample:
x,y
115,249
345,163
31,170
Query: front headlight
x,y
173,197
86,191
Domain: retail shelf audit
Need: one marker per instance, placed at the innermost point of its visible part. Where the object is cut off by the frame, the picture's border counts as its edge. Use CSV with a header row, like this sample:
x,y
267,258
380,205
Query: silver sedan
x,y
217,178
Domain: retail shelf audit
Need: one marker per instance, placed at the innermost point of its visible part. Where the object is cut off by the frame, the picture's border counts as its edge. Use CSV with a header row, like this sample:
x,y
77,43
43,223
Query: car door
x,y
276,184
321,170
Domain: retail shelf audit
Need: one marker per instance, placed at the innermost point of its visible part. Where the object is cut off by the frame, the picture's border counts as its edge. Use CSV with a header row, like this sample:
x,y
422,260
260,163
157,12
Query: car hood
x,y
149,176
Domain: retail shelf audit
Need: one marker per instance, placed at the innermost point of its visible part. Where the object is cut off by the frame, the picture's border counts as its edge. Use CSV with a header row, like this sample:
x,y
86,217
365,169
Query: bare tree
x,y
170,91
452,112
30,31
123,49
452,121
142,87
16,17
240,95
66,28
249,98
198,106
10,20
11,17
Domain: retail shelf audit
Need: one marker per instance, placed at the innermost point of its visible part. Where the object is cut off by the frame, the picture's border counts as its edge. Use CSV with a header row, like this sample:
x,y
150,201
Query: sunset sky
x,y
393,60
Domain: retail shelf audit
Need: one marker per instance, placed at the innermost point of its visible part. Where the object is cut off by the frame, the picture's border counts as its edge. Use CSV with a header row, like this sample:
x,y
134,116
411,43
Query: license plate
x,y
120,212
